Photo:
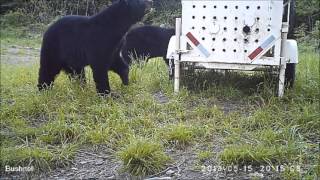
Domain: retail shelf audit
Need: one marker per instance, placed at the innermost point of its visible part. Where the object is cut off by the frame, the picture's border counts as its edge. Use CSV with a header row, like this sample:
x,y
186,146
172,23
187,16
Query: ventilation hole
x,y
193,17
269,30
246,41
194,6
246,29
257,30
234,50
226,7
225,17
204,6
245,51
224,39
214,17
225,28
236,7
203,38
203,28
213,49
236,29
235,40
203,17
248,7
213,39
258,18
224,50
256,41
258,7
193,27
235,18
214,6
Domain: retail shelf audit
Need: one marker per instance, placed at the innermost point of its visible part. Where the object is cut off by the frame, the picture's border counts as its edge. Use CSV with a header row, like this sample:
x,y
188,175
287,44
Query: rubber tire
x,y
290,75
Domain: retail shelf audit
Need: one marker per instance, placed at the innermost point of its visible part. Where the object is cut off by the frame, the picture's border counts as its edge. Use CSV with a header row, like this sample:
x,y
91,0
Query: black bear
x,y
145,41
76,41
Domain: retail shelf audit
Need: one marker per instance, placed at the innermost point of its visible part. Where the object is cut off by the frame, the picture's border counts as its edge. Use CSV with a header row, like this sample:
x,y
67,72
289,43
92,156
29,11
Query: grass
x,y
143,157
179,135
204,155
255,127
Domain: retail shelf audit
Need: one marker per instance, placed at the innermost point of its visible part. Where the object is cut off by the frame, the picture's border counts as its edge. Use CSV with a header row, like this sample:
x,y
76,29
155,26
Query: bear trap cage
x,y
233,35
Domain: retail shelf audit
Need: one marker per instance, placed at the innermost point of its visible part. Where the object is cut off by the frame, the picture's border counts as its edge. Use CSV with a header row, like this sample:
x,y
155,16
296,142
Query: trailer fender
x,y
291,51
171,48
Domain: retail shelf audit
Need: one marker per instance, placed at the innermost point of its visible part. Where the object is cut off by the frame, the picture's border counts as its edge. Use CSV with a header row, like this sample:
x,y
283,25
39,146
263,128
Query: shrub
x,y
143,157
16,18
180,135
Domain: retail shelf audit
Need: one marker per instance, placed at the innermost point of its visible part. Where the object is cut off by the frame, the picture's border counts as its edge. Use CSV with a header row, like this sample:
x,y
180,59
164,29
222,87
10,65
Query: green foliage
x,y
30,17
266,147
204,155
41,158
180,135
255,155
165,14
290,174
44,11
308,39
24,155
143,157
16,18
59,132
98,135
307,7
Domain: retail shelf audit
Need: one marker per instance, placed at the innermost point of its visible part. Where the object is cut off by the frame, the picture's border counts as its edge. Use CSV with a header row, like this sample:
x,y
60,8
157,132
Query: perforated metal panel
x,y
229,31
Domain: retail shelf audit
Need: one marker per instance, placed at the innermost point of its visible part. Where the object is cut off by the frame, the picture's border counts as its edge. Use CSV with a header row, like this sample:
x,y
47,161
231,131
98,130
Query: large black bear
x,y
145,41
76,41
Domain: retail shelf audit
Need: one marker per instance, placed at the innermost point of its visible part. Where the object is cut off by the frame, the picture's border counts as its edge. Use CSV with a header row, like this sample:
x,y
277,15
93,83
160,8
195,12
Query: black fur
x,y
145,41
76,41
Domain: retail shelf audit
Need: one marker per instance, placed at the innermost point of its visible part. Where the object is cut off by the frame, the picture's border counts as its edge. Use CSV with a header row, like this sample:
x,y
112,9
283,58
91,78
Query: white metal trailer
x,y
233,35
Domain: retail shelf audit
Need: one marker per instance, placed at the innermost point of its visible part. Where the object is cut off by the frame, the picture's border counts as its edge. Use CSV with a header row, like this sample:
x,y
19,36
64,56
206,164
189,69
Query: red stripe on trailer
x,y
193,39
255,53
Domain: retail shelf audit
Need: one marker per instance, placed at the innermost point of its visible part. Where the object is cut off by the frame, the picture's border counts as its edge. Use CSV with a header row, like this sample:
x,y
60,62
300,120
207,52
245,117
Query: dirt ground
x,y
19,55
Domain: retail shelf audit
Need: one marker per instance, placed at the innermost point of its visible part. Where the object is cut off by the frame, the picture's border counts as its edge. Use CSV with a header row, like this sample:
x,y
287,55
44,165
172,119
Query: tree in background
x,y
165,12
6,5
44,11
308,21
308,13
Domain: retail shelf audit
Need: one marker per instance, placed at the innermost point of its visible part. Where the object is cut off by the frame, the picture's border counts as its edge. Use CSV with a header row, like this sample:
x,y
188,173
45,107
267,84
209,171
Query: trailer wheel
x,y
290,75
